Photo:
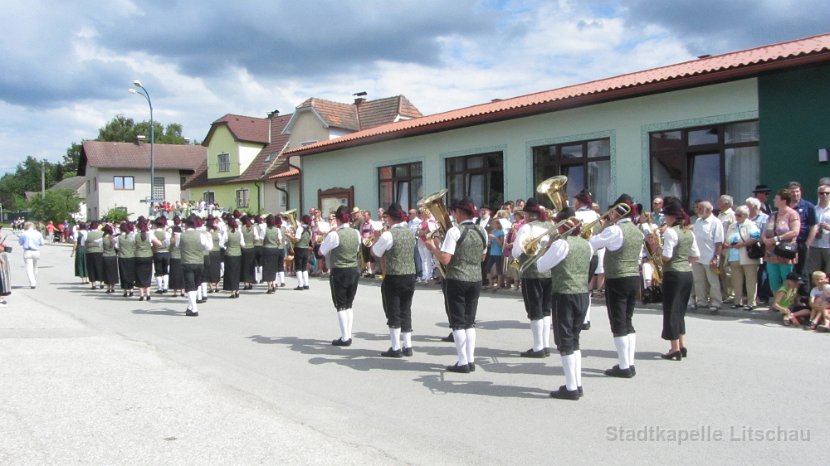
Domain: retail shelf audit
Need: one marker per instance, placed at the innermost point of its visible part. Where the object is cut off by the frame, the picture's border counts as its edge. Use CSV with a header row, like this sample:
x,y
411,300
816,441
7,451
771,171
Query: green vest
x,y
232,246
143,247
273,239
532,271
625,261
400,258
682,250
126,246
91,246
344,256
570,276
248,234
190,244
214,235
108,246
175,250
161,235
465,265
305,238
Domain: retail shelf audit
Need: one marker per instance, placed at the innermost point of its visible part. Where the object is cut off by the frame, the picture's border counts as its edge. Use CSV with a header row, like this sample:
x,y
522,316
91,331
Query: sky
x,y
67,65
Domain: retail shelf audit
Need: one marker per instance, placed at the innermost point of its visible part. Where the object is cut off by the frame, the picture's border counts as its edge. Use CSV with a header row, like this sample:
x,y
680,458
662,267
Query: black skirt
x,y
232,271
143,272
110,270
271,258
214,270
95,266
126,271
248,265
677,288
176,275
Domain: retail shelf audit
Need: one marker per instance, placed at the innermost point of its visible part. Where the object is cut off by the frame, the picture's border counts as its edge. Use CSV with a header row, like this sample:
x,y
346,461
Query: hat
x,y
395,211
794,277
355,209
465,205
673,208
567,212
532,207
625,199
761,188
585,197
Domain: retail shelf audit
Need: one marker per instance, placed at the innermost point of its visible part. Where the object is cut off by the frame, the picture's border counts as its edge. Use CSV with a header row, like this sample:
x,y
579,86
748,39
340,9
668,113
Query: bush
x,y
116,215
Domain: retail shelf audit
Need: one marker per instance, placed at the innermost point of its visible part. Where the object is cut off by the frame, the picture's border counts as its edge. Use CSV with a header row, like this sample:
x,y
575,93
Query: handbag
x,y
784,250
755,250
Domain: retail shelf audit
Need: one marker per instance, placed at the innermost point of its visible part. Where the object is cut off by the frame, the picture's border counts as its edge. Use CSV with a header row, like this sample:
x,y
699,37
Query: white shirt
x,y
557,252
332,240
822,238
525,233
453,235
670,240
708,232
385,242
611,237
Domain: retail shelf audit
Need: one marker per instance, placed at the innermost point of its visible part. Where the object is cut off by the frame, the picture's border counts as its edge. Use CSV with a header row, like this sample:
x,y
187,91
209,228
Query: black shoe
x,y
125,294
305,287
390,353
633,370
586,326
282,285
190,313
159,291
339,342
465,369
547,351
564,394
578,389
141,298
684,352
148,297
407,351
532,354
201,301
617,372
449,338
131,294
472,366
299,288
676,355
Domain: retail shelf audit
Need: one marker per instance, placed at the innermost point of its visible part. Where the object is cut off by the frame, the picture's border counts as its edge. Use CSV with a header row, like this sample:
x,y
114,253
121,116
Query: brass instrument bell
x,y
554,188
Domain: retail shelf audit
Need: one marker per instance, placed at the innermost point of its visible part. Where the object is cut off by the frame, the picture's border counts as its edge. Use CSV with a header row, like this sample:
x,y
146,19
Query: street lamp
x,y
143,92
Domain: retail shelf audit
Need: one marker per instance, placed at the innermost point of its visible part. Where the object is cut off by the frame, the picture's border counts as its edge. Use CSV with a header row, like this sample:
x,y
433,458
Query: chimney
x,y
139,139
360,97
273,114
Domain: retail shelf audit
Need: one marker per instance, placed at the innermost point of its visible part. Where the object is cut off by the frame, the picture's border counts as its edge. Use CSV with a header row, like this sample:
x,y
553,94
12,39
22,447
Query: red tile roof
x,y
363,114
720,68
243,128
103,154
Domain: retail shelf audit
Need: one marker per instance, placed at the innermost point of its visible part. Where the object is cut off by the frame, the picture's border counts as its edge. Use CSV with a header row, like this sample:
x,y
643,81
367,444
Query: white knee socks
x,y
622,351
546,331
569,368
343,322
395,338
281,277
191,301
165,281
460,337
470,344
536,329
407,339
578,367
350,321
632,345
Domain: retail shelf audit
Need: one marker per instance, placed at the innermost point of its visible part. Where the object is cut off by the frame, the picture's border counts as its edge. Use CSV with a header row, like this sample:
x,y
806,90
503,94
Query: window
x,y
587,165
242,196
209,197
400,183
481,177
158,189
123,183
224,162
703,163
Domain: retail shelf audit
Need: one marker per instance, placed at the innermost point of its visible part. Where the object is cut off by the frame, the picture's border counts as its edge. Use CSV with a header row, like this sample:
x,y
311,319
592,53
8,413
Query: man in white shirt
x,y
727,218
708,232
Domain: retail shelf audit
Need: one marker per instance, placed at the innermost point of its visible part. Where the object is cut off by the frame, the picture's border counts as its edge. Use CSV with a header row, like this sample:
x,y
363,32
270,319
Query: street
x,y
89,377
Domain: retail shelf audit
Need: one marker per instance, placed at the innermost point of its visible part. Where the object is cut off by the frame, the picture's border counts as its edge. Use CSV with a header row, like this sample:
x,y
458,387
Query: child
x,y
786,300
818,305
496,240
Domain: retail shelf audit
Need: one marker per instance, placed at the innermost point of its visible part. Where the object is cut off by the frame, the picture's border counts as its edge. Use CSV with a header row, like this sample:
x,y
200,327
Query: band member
x,y
536,285
341,248
126,257
233,258
395,247
302,246
569,260
272,252
95,255
193,245
583,203
679,249
144,244
250,233
623,242
161,255
461,252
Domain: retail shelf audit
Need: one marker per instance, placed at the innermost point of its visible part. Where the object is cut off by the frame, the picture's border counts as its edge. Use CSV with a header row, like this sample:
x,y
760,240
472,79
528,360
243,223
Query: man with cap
x,y
461,252
761,192
193,245
583,203
341,247
568,259
536,286
624,244
395,247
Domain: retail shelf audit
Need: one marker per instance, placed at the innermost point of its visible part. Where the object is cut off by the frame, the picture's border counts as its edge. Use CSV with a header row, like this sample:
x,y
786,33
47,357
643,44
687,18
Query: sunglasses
x,y
823,193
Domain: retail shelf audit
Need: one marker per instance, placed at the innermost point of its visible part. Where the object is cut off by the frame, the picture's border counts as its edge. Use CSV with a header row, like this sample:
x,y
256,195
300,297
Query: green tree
x,y
57,205
71,159
123,129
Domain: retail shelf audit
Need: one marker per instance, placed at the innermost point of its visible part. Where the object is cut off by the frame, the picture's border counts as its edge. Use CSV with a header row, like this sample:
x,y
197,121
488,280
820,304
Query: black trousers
x,y
343,284
161,264
677,288
300,259
569,313
461,299
620,298
397,292
537,294
192,276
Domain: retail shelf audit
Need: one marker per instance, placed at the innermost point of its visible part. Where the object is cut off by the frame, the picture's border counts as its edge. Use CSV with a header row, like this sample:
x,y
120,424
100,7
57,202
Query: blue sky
x,y
67,66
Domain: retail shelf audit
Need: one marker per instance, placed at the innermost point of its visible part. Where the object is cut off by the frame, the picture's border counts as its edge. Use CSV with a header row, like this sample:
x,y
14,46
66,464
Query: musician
x,y
193,246
302,246
161,255
461,252
585,213
568,259
341,247
536,286
624,245
679,250
395,246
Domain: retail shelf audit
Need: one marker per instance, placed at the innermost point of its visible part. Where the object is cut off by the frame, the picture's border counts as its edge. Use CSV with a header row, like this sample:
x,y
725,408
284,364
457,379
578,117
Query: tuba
x,y
554,188
587,231
536,247
291,215
434,203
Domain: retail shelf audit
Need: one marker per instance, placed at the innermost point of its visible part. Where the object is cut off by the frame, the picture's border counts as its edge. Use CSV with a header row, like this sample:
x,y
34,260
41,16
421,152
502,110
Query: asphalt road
x,y
94,378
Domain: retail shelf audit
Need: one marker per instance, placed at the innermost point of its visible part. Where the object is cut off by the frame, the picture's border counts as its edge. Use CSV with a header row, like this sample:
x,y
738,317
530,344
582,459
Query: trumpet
x,y
587,231
536,247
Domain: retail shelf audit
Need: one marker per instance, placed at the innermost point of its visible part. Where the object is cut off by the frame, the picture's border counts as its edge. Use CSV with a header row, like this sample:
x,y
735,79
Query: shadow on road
x,y
439,384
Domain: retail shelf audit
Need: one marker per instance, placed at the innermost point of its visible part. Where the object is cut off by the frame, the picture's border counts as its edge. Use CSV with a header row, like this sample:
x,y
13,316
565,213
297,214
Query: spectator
x,y
741,234
708,232
783,228
818,300
807,216
31,240
818,240
657,211
495,259
727,217
787,300
760,219
761,193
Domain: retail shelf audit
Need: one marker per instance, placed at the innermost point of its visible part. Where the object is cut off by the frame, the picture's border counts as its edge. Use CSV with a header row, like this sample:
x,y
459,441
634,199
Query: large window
x,y
242,198
481,177
400,183
158,189
703,163
587,165
224,162
123,183
208,197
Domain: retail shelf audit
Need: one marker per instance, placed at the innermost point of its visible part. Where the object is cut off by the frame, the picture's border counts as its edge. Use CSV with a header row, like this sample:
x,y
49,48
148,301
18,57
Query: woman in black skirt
x,y
176,284
233,258
79,251
110,259
144,242
214,271
125,244
95,255
679,250
248,267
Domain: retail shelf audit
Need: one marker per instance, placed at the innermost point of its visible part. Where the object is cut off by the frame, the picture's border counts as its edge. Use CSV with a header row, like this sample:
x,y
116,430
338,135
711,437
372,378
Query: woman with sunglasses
x,y
818,241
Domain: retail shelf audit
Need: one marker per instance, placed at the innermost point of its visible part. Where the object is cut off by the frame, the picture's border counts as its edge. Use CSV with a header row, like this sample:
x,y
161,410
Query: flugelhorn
x,y
536,247
434,203
622,209
554,189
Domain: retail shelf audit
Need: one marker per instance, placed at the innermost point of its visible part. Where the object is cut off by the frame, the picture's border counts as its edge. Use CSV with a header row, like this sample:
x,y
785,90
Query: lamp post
x,y
143,92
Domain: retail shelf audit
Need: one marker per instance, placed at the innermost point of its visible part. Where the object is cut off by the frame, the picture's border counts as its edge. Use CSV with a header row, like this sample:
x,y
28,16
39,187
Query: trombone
x,y
587,231
536,247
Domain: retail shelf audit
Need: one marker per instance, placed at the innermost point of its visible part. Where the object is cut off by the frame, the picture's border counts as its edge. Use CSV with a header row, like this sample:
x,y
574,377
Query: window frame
x,y
495,197
223,162
396,181
246,198
123,183
555,161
